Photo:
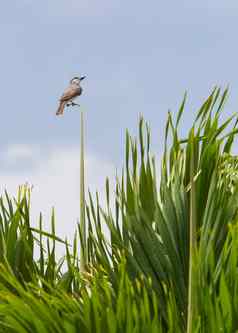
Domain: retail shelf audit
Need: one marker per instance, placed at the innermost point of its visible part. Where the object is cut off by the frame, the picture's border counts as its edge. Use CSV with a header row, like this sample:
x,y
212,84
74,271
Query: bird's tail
x,y
60,110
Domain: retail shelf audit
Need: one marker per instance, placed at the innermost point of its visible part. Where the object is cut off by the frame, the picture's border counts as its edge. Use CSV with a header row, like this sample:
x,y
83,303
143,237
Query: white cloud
x,y
55,179
16,151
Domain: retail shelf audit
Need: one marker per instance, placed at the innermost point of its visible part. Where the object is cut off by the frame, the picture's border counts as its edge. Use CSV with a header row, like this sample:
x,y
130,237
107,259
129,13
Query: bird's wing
x,y
70,93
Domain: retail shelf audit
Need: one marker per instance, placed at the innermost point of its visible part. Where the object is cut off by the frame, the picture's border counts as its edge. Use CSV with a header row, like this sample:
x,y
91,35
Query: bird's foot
x,y
71,103
75,104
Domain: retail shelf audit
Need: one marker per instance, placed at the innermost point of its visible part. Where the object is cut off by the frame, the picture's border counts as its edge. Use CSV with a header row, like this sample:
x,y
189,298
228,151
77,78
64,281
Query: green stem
x,y
192,243
82,198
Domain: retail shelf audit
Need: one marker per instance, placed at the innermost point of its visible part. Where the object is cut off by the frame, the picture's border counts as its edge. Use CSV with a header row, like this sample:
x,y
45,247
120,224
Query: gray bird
x,y
74,90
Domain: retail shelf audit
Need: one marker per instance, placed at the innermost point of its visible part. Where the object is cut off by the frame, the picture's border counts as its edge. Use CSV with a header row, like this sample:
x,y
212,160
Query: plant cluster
x,y
169,259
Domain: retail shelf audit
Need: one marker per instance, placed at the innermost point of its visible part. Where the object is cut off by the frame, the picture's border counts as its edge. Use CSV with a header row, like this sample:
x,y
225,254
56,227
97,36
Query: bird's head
x,y
77,80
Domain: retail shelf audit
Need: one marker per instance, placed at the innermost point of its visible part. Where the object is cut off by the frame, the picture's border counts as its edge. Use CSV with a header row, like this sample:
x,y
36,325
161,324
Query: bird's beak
x,y
82,78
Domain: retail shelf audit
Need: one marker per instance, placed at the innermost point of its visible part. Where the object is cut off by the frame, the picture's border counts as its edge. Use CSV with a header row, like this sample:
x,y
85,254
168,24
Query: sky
x,y
139,58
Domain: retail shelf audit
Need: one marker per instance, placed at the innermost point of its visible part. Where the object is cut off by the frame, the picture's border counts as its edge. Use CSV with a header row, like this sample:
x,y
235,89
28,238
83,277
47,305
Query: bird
x,y
74,90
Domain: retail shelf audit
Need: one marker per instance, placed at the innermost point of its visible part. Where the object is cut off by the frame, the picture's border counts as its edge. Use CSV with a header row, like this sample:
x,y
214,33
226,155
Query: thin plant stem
x,y
82,197
192,245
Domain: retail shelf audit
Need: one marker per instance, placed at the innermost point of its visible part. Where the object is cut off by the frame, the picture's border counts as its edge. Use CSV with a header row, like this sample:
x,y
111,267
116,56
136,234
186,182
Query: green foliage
x,y
96,309
169,262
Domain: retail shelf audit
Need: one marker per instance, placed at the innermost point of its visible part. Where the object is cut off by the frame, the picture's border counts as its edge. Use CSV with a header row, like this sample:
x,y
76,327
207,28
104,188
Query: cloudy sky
x,y
139,57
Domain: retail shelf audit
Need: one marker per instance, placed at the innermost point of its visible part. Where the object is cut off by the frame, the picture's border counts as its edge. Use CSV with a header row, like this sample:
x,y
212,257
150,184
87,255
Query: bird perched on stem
x,y
74,90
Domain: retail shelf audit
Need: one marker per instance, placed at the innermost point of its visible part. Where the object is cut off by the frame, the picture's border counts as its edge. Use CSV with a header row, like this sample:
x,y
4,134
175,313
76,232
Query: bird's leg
x,y
69,103
75,104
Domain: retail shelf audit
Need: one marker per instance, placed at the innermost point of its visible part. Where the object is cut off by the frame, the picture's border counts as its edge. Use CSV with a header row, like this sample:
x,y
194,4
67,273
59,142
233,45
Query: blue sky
x,y
139,57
